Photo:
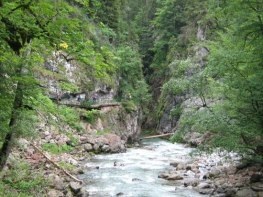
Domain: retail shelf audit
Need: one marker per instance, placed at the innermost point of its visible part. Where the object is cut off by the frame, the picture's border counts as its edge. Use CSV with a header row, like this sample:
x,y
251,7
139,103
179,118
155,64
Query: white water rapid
x,y
135,172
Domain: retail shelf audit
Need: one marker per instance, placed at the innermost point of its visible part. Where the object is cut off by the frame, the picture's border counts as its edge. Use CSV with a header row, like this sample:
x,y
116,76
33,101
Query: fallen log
x,y
90,107
156,136
56,165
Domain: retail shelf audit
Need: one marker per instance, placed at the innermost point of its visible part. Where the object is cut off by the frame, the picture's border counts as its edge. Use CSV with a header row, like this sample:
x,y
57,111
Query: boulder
x,y
174,177
204,185
88,147
55,193
56,182
163,176
75,187
191,182
214,172
174,164
206,191
105,148
258,186
256,178
246,192
181,166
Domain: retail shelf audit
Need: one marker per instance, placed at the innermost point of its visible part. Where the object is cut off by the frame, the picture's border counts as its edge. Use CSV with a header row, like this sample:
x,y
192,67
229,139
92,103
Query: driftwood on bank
x,y
56,165
156,136
90,107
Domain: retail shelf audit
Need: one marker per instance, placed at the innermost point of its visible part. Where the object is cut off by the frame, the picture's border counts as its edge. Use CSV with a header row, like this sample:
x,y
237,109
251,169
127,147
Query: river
x,y
135,172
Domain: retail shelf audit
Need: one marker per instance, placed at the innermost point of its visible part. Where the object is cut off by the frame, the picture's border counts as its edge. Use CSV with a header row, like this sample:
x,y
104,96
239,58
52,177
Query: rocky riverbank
x,y
218,174
60,184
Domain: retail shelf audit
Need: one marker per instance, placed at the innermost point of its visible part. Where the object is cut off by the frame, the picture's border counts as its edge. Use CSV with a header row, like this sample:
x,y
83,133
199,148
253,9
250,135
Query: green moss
x,y
129,106
92,115
56,149
70,116
66,86
103,132
67,166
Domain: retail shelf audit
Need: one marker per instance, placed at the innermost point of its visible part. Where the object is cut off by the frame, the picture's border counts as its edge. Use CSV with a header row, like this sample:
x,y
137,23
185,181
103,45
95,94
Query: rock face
x,y
117,121
177,106
110,130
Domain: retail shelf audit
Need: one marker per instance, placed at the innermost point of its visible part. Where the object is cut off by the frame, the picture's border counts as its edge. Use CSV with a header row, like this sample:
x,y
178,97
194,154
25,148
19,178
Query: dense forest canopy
x,y
159,51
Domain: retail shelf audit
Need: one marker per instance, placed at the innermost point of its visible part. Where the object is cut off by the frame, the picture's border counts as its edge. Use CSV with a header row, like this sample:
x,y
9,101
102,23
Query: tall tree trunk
x,y
7,144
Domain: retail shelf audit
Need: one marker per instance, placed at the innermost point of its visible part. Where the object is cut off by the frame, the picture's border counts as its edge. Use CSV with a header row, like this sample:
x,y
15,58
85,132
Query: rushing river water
x,y
135,172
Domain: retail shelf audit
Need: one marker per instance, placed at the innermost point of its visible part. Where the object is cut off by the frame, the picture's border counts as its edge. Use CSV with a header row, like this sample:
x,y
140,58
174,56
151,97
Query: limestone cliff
x,y
101,117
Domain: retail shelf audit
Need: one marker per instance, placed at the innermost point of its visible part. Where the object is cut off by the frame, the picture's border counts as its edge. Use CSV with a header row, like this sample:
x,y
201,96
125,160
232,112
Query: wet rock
x,y
163,176
115,143
229,192
174,164
181,166
204,185
191,182
188,167
246,192
88,147
206,191
105,148
120,194
189,173
75,187
214,172
79,171
96,147
136,144
136,179
55,193
256,178
83,193
56,182
72,161
174,177
258,186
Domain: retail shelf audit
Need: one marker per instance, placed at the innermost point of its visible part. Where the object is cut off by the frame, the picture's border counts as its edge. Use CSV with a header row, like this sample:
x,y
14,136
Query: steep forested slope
x,y
61,62
192,67
203,65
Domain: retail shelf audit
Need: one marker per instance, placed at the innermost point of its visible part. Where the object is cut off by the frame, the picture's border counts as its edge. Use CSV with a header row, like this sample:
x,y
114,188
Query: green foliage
x,y
21,181
56,149
132,85
229,85
103,132
26,124
66,86
69,116
178,137
176,112
234,63
129,106
87,103
92,115
67,166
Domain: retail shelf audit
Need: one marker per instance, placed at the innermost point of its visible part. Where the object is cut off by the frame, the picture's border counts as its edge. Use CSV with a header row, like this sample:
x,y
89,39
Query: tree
x,y
29,30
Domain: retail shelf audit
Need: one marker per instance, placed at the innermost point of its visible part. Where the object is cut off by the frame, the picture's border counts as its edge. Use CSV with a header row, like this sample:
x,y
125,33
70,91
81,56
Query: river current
x,y
135,172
